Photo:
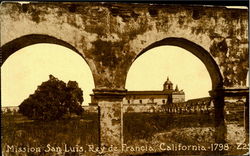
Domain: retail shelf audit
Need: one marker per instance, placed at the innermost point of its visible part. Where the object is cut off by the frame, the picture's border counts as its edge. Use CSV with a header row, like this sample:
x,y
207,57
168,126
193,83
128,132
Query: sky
x,y
150,71
27,68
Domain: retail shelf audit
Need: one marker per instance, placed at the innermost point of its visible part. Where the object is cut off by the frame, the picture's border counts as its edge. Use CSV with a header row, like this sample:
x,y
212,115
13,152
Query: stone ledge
x,y
109,94
229,92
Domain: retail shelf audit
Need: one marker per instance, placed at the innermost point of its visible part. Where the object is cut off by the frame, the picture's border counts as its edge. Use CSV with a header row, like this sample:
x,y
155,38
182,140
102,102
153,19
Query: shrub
x,y
52,100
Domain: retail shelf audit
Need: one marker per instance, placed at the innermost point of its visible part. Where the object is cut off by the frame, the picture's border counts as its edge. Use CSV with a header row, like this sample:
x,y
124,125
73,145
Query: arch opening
x,y
196,50
27,62
163,69
24,41
23,70
169,63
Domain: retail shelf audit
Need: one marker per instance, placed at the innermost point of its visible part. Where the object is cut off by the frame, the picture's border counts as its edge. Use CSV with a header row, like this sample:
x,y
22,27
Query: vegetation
x,y
84,130
145,125
18,130
52,100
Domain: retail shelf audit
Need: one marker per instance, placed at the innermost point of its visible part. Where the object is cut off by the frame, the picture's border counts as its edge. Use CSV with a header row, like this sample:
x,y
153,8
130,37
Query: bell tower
x,y
168,85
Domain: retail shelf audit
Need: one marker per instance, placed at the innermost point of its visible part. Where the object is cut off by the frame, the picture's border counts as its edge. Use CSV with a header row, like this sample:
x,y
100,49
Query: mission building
x,y
151,101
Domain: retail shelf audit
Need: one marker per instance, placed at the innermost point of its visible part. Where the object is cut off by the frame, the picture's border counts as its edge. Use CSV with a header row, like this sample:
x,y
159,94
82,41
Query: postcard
x,y
116,78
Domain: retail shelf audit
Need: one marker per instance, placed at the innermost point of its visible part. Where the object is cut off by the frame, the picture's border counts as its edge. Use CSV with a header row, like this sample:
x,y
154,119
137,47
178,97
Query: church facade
x,y
152,101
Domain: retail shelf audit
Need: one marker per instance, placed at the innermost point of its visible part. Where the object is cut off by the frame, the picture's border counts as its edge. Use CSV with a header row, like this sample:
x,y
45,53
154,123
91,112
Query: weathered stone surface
x,y
111,124
110,36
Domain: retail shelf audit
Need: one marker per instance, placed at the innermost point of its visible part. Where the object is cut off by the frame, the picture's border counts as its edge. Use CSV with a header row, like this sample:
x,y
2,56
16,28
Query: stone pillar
x,y
217,97
231,119
111,119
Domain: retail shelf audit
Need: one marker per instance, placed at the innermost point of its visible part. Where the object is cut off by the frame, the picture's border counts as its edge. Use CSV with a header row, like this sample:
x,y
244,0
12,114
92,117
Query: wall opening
x,y
26,68
178,74
151,70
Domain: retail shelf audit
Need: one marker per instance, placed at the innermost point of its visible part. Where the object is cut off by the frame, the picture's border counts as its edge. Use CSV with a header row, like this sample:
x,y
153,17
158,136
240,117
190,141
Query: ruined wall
x,y
110,35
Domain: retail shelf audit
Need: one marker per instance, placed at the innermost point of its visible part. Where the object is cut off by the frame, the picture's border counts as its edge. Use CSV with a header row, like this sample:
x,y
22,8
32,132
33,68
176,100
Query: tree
x,y
52,100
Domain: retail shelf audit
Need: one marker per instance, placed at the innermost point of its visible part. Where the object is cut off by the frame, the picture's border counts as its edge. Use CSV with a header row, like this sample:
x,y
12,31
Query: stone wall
x,y
110,36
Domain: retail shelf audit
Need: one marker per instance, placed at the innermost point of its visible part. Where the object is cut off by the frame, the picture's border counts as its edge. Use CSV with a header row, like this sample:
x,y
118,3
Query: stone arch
x,y
198,51
27,40
11,47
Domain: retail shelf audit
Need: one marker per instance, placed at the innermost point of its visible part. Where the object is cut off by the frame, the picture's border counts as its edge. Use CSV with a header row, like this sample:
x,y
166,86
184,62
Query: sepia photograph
x,y
124,79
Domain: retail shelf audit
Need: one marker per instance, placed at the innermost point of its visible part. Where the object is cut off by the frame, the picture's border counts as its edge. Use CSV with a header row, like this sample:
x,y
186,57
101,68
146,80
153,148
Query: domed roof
x,y
168,81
